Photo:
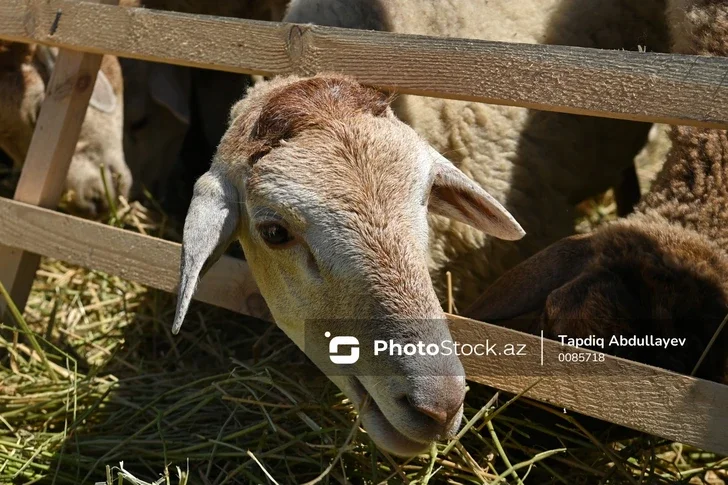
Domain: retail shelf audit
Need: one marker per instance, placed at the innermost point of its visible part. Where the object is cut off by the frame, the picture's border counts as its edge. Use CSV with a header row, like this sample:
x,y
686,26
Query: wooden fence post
x,y
49,156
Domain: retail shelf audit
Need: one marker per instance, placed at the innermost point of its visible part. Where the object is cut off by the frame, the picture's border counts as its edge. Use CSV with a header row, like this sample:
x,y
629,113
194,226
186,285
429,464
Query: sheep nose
x,y
439,400
98,205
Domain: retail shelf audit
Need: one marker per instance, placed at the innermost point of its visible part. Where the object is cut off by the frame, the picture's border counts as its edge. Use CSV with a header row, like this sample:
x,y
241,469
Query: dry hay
x,y
97,390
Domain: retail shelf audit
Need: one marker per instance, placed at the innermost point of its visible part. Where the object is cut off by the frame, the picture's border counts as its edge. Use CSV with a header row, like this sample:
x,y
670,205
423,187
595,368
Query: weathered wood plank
x,y
147,260
670,405
629,85
49,155
655,401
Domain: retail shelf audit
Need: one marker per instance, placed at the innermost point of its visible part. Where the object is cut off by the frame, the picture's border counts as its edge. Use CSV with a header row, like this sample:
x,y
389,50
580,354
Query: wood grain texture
x,y
655,401
654,87
673,406
49,155
147,260
56,132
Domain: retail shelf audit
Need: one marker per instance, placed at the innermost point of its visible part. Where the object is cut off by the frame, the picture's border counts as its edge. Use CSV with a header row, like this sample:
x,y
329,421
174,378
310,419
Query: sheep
x,y
174,115
328,193
248,9
538,164
662,271
25,70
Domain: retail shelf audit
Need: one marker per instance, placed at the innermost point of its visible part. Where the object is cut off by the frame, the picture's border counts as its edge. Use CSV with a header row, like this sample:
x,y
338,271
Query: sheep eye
x,y
274,234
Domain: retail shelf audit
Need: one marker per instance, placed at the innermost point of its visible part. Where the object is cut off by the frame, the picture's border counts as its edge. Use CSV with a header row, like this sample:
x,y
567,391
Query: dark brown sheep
x,y
663,271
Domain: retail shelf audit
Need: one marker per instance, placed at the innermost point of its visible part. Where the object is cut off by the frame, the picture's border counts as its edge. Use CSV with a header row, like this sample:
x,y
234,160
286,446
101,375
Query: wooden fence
x,y
674,89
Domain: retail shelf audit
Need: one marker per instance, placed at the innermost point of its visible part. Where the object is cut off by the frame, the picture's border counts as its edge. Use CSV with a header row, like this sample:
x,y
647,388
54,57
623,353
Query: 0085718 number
x,y
581,357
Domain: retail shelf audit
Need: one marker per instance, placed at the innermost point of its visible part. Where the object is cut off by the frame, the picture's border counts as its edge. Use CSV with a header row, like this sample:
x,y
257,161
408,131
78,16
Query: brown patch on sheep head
x,y
328,192
311,104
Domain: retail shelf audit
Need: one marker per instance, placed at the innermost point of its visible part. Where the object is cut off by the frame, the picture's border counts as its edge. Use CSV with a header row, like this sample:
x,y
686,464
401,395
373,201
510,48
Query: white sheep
x,y
24,73
538,164
328,193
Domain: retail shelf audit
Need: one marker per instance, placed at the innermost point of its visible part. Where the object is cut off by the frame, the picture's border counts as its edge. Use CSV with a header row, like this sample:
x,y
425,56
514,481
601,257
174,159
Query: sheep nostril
x,y
437,399
439,415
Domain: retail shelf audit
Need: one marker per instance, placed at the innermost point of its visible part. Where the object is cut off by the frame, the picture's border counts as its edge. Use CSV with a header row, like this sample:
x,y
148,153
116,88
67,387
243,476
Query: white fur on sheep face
x,y
333,218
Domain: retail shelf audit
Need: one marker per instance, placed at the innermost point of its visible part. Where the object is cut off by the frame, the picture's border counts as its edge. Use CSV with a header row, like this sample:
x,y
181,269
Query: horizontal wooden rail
x,y
673,406
673,89
144,259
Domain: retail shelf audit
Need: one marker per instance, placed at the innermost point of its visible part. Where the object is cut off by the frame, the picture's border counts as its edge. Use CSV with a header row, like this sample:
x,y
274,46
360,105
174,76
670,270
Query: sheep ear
x,y
171,86
211,225
454,195
103,97
526,287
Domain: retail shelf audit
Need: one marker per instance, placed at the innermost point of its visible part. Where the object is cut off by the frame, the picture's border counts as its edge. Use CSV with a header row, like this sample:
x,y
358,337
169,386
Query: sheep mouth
x,y
379,427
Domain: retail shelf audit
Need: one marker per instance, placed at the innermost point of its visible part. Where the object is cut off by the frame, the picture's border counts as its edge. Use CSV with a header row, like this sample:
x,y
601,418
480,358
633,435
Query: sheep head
x,y
640,276
24,74
328,192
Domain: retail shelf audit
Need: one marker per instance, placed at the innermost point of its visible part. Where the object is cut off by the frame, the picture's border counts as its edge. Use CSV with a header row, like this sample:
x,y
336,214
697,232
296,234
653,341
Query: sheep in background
x,y
538,164
246,9
25,70
663,271
175,116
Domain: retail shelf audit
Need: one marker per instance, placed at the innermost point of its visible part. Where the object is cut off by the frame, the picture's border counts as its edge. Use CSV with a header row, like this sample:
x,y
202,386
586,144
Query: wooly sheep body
x,y
663,271
536,163
25,70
